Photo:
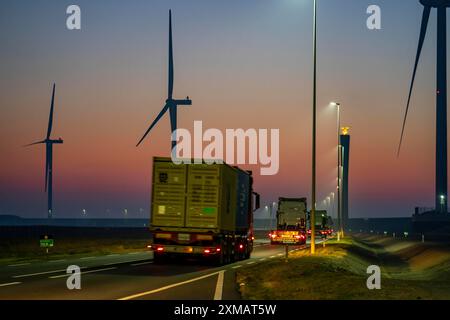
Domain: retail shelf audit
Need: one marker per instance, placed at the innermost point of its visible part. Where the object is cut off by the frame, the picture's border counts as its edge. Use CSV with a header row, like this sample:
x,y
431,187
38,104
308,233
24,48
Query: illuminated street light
x,y
339,215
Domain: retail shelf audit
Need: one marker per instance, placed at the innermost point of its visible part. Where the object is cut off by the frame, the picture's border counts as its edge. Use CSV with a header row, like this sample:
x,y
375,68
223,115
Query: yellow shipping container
x,y
193,197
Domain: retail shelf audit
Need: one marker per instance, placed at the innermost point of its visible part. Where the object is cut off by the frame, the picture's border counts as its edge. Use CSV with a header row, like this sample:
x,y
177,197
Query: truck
x,y
291,222
202,210
323,224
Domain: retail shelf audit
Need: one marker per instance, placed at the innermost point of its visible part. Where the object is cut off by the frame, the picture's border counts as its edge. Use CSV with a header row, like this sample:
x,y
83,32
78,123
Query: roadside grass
x,y
338,272
25,250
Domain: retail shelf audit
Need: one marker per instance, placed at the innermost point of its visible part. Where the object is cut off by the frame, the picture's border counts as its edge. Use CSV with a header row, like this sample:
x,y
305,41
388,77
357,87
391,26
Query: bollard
x,y
393,235
423,238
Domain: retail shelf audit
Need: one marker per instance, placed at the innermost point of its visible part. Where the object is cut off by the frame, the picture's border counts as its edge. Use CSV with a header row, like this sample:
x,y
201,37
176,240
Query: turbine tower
x,y
171,104
49,157
441,200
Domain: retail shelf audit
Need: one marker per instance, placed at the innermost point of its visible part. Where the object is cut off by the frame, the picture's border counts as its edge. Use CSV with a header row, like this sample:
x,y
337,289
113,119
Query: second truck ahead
x,y
203,210
291,222
323,224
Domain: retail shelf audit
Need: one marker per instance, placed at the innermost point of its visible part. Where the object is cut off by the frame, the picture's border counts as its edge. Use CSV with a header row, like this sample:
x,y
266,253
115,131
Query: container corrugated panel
x,y
243,198
169,189
203,194
228,190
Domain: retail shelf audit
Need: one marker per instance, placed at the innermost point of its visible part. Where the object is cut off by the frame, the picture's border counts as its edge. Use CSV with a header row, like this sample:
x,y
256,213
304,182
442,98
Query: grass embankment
x,y
410,270
22,250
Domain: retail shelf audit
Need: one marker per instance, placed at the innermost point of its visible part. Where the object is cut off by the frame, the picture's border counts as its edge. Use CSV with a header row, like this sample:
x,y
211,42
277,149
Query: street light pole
x,y
313,191
338,188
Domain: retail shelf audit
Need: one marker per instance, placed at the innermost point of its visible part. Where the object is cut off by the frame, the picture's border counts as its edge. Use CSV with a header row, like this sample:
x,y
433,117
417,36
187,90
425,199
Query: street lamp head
x,y
335,104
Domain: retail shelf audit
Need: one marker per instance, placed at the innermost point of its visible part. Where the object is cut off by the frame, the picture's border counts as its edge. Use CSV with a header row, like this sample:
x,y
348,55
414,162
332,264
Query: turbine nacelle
x,y
184,102
435,3
54,141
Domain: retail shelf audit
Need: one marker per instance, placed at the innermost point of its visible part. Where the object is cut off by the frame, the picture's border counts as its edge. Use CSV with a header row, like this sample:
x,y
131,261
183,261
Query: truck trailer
x,y
202,210
291,222
323,224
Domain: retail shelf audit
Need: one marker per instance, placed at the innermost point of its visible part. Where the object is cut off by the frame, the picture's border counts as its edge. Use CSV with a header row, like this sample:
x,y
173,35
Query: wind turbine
x,y
49,157
171,104
441,96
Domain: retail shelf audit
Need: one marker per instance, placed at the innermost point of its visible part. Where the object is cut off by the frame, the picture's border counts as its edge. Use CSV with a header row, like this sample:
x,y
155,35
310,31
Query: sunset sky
x,y
245,64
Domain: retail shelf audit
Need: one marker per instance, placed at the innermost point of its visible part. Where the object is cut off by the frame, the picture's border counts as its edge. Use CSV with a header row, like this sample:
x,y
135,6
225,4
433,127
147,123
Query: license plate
x,y
183,237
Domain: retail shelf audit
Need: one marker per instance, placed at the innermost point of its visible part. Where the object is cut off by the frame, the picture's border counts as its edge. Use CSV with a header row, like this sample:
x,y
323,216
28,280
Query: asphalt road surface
x,y
130,276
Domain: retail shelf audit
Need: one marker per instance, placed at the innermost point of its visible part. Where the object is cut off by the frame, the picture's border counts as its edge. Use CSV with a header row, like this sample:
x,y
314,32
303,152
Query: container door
x,y
168,206
203,196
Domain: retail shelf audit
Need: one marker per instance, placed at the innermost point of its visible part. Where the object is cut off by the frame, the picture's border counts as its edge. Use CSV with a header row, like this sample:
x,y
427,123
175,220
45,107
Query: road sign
x,y
46,241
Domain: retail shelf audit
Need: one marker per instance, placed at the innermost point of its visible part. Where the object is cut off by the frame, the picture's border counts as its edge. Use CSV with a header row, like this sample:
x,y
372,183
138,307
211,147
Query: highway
x,y
130,276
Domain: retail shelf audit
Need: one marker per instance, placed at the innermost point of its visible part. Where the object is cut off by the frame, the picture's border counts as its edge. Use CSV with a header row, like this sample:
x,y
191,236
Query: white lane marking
x,y
251,262
61,260
272,257
219,286
262,259
83,272
141,263
235,267
280,254
118,262
133,252
19,264
113,255
38,273
134,296
9,284
87,258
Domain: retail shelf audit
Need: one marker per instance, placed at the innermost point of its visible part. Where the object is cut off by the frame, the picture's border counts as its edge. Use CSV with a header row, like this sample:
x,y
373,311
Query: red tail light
x,y
160,249
241,246
207,251
218,249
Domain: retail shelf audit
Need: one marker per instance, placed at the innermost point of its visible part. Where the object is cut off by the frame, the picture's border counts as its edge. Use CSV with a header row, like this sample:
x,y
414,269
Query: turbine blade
x,y
154,123
170,57
173,126
423,32
173,118
32,144
50,118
